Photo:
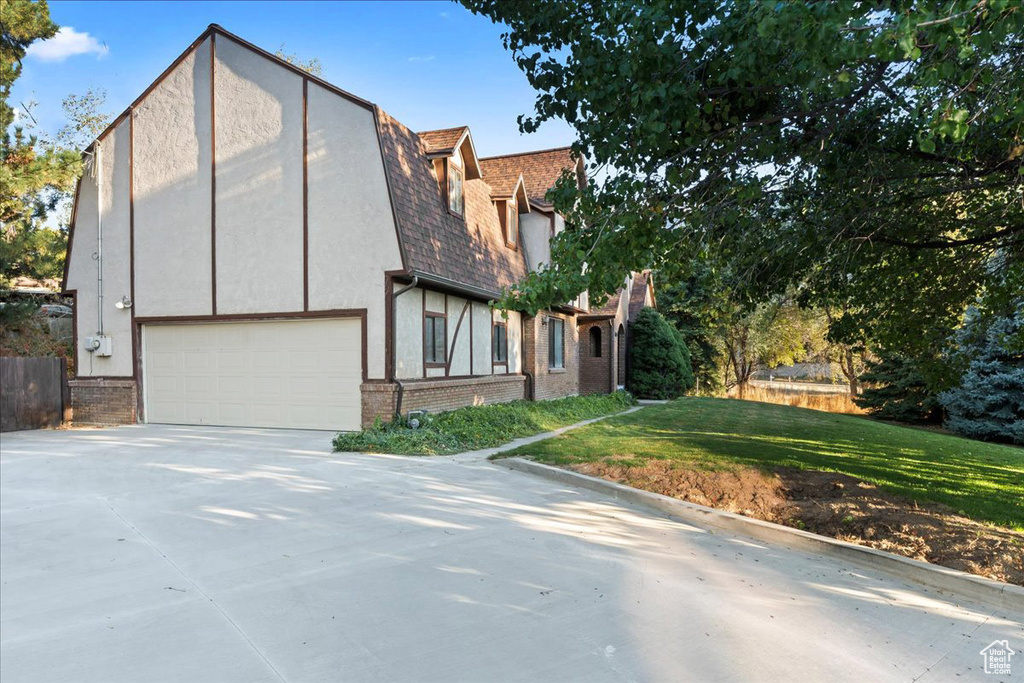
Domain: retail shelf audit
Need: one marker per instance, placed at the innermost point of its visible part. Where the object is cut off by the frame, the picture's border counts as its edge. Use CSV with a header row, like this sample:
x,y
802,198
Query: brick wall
x,y
439,394
595,377
103,401
551,383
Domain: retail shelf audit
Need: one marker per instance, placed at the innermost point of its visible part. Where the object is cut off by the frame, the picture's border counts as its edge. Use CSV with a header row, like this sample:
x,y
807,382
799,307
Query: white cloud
x,y
428,58
67,43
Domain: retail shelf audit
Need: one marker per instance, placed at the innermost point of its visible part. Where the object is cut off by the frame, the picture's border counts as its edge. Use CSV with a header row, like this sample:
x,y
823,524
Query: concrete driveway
x,y
159,553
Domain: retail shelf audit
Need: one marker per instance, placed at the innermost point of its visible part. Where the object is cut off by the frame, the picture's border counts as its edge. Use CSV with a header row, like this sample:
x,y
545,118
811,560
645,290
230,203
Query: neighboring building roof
x,y
540,170
471,251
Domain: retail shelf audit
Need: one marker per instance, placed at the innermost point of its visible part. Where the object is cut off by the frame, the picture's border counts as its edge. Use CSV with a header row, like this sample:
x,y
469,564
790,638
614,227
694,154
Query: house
x,y
253,246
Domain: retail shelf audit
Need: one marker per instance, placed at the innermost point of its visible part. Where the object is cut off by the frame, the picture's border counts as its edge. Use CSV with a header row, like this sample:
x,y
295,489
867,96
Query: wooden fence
x,y
33,393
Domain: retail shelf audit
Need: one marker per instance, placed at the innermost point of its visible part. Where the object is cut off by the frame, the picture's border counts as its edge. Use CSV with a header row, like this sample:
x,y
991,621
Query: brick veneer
x,y
436,395
103,401
549,383
595,371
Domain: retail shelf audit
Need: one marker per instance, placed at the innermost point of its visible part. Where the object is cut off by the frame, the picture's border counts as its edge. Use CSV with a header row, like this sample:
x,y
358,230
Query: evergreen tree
x,y
989,402
896,389
33,177
659,360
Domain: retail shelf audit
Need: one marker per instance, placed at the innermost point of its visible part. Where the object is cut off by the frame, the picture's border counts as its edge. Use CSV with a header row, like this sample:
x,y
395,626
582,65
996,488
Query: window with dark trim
x,y
456,200
499,344
435,339
512,222
595,342
556,343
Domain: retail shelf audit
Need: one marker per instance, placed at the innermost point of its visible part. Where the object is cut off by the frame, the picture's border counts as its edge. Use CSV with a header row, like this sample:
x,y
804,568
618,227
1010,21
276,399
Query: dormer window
x,y
512,222
456,178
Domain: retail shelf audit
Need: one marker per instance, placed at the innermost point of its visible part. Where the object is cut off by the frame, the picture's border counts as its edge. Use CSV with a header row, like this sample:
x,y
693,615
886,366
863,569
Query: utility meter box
x,y
100,345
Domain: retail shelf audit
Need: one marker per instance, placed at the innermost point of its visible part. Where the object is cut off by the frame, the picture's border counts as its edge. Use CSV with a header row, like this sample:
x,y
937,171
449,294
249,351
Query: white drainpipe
x,y
98,173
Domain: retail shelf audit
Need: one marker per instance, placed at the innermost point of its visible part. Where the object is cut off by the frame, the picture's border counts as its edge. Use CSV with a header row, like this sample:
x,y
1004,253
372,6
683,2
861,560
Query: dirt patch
x,y
839,506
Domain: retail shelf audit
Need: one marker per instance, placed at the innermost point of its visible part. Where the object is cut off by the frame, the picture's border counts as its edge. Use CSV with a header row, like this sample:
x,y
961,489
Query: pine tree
x,y
896,389
659,360
989,402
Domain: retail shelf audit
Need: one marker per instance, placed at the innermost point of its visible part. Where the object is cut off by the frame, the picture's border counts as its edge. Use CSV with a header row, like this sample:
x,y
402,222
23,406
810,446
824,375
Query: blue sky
x,y
430,64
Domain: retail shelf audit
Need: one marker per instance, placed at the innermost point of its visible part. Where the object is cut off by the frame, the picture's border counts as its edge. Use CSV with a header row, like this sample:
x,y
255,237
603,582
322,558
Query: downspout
x,y
394,343
613,356
98,172
530,390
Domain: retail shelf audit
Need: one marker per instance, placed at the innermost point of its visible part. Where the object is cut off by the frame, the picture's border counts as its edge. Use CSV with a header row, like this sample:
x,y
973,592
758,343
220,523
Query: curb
x,y
948,582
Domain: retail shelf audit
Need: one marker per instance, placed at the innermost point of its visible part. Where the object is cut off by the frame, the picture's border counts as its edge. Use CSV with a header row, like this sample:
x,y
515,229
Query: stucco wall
x,y
352,238
458,336
514,331
481,338
82,274
408,314
258,112
535,234
259,204
172,193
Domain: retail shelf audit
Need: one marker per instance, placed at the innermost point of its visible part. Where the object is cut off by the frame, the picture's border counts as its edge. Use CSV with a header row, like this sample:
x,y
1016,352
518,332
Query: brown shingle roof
x,y
442,141
470,252
502,178
540,169
638,293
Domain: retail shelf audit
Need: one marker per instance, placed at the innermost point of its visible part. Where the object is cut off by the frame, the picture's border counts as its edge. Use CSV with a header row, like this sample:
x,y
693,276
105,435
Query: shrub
x,y
476,427
659,360
989,402
896,389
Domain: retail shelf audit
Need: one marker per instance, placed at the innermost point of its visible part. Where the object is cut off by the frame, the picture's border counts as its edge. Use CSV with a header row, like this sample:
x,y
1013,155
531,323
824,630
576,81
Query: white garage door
x,y
301,374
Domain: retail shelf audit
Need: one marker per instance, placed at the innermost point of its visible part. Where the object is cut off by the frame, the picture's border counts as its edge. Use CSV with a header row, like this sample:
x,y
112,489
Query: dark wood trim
x,y
267,317
423,331
136,348
305,194
470,301
213,174
71,236
455,338
107,378
389,321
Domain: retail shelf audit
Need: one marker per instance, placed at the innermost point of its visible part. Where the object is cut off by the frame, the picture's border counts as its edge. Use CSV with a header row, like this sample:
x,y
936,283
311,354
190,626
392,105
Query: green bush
x,y
475,427
659,359
896,389
989,402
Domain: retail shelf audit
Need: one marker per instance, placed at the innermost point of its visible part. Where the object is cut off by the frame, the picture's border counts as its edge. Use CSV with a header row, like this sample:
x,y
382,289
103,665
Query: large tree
x,y
33,176
869,152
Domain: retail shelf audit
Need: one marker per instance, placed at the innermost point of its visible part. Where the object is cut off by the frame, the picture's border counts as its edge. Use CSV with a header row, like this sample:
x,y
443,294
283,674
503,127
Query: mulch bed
x,y
839,506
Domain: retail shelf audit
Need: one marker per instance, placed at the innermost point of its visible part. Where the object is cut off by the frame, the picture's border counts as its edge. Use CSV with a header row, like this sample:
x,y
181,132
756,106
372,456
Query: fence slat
x,y
32,393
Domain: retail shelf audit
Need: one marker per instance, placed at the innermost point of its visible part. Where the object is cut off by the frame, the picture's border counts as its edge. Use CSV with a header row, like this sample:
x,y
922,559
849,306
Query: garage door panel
x,y
286,373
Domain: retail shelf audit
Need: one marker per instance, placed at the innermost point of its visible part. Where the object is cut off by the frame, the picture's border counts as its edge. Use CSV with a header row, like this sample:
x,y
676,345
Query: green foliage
x,y
869,152
33,177
989,401
984,480
697,307
311,66
477,427
896,389
659,361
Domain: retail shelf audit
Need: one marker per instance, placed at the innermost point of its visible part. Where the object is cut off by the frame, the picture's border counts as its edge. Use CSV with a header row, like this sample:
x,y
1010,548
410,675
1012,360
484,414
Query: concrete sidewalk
x,y
158,553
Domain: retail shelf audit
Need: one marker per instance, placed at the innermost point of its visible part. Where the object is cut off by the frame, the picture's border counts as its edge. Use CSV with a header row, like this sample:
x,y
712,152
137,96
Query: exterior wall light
x,y
125,302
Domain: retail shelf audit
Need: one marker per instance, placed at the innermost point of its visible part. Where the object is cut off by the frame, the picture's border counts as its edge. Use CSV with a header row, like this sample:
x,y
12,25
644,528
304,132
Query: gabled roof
x,y
444,142
540,170
642,281
468,251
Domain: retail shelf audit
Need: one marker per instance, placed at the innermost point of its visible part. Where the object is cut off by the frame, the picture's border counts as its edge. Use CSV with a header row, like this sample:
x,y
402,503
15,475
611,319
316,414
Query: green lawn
x,y
984,480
